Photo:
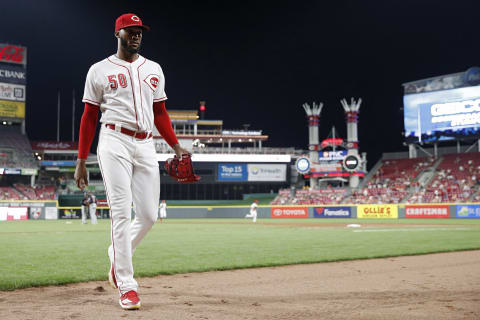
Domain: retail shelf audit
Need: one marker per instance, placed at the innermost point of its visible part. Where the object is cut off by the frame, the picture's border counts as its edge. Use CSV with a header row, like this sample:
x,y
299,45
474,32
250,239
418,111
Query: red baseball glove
x,y
181,169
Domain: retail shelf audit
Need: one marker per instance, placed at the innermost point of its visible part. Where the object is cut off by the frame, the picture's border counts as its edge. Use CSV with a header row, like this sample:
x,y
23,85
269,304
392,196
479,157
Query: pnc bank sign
x,y
13,54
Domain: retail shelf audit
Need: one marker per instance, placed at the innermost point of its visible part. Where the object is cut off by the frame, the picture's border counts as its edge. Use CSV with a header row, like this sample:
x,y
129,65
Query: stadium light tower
x,y
313,115
351,112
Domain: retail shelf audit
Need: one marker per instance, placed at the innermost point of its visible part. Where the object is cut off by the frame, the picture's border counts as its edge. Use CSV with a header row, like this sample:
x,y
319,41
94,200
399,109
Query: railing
x,y
220,150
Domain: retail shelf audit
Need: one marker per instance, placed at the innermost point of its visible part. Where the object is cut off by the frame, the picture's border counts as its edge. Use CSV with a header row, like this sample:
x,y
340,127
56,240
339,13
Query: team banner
x,y
332,212
267,172
13,54
378,211
12,92
289,212
13,74
468,211
12,109
424,211
232,172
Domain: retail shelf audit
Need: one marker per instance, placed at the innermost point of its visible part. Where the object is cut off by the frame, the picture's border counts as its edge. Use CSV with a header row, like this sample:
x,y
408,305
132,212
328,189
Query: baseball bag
x,y
181,169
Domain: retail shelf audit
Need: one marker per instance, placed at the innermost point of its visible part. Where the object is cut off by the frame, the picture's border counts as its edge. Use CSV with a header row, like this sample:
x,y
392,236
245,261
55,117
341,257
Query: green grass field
x,y
37,253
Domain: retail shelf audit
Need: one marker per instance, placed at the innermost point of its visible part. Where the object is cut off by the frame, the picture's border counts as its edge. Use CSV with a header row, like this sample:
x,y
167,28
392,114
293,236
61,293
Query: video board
x,y
442,115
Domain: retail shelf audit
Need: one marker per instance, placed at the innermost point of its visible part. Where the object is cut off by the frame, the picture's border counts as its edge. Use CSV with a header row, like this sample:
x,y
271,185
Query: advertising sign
x,y
289,212
12,171
54,145
327,166
12,92
232,172
251,172
378,211
332,155
13,213
12,109
51,213
35,213
332,212
351,162
13,54
29,172
13,74
424,211
59,163
267,172
468,211
302,165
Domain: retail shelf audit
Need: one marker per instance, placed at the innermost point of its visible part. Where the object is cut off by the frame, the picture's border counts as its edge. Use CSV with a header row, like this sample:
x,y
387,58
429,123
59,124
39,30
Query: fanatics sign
x,y
427,211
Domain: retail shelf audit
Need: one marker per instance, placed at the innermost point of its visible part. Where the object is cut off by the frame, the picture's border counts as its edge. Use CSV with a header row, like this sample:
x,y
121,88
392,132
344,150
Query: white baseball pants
x,y
130,173
163,214
84,214
252,215
92,209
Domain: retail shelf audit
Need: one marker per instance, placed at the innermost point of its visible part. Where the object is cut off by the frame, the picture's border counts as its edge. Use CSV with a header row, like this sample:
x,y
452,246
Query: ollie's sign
x,y
13,54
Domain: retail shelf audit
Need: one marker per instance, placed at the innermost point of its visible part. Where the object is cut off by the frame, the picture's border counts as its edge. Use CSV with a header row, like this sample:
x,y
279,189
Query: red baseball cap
x,y
129,20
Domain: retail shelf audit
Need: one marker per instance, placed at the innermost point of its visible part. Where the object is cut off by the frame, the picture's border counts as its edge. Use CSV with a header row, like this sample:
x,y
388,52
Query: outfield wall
x,y
50,210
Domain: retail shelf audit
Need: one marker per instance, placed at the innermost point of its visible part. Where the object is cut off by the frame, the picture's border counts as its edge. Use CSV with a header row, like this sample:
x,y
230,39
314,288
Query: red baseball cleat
x,y
130,300
111,278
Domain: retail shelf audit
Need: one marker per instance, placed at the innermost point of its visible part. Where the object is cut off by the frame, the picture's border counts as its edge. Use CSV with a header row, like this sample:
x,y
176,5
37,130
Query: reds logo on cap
x,y
129,20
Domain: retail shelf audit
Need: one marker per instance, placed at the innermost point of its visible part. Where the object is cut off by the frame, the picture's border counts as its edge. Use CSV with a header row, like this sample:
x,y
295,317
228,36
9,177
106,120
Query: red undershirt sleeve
x,y
88,125
163,123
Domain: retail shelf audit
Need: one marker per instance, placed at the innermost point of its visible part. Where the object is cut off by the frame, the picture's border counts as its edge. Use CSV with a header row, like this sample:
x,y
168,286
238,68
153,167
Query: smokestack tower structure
x,y
313,115
352,111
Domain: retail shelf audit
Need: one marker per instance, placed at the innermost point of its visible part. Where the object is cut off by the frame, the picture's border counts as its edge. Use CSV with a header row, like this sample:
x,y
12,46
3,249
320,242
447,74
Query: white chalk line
x,y
413,229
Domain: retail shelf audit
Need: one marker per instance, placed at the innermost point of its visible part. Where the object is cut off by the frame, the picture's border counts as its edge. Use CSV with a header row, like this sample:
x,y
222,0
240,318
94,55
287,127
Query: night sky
x,y
253,62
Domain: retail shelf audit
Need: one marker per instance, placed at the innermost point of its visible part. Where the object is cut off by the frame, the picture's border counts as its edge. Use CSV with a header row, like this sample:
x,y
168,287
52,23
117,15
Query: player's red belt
x,y
136,134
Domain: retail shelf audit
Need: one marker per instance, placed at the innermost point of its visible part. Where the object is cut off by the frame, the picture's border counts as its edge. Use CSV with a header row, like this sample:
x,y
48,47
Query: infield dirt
x,y
435,286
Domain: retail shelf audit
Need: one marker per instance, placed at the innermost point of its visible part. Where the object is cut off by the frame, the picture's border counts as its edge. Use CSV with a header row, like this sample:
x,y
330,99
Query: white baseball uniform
x,y
163,210
85,207
92,209
125,93
253,212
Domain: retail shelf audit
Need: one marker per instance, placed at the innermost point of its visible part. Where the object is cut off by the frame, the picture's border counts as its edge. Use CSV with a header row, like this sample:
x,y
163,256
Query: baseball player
x,y
129,90
163,210
253,211
92,208
85,207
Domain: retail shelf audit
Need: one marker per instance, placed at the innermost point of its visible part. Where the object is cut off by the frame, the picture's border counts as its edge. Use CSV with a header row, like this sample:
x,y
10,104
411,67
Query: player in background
x,y
253,211
163,210
92,208
129,90
85,207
